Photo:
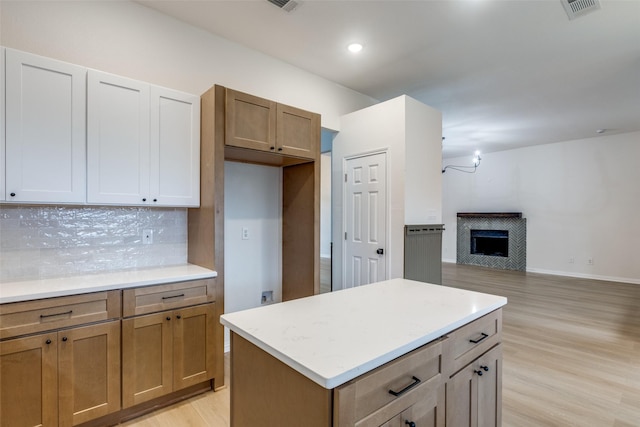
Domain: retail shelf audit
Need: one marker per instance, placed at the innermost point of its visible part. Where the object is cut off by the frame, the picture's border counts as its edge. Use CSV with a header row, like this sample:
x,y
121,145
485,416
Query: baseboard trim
x,y
585,276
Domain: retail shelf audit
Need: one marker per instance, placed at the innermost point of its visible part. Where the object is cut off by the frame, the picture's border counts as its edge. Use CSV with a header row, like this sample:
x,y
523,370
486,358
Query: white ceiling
x,y
505,74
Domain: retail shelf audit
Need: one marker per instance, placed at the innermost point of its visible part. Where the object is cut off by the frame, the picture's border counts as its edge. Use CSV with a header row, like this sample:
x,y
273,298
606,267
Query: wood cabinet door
x,y
45,130
490,389
250,121
147,357
174,148
117,140
298,132
29,381
429,412
193,337
89,372
474,395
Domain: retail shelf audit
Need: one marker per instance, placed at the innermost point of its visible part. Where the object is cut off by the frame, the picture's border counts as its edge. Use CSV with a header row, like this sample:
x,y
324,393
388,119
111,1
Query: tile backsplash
x,y
38,242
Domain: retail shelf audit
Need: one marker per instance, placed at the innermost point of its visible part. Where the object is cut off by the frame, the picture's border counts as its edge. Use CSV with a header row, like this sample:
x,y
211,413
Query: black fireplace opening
x,y
490,242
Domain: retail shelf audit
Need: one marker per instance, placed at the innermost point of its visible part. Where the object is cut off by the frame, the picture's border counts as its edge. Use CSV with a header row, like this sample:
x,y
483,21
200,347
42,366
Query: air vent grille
x,y
578,8
286,5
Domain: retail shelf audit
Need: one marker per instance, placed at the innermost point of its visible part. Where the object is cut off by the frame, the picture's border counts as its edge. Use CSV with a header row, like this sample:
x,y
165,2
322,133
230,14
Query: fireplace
x,y
497,240
489,242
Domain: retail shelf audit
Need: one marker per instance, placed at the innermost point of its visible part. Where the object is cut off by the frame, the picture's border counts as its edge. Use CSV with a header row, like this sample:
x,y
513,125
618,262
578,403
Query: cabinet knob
x,y
272,148
178,317
168,318
144,200
13,194
64,339
410,423
478,372
48,342
155,200
279,148
484,368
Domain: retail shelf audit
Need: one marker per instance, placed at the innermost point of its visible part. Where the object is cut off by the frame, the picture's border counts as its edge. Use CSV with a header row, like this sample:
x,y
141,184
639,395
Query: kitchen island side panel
x,y
267,393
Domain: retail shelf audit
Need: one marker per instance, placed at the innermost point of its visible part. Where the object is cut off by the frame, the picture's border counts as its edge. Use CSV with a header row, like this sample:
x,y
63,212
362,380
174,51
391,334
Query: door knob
x,y
380,251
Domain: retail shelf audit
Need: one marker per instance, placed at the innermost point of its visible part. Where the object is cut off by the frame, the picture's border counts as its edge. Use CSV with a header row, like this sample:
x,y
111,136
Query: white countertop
x,y
332,338
47,288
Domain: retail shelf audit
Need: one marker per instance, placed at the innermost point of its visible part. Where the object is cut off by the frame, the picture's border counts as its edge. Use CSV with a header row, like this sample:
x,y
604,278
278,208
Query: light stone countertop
x,y
63,286
332,338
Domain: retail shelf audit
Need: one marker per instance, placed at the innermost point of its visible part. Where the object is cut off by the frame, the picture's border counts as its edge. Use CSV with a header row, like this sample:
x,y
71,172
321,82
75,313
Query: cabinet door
x,y
45,130
29,381
89,369
193,334
147,357
250,121
474,395
175,148
427,412
117,140
298,132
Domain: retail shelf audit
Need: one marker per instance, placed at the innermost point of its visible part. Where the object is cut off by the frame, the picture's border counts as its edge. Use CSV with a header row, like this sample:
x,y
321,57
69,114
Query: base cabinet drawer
x,y
62,378
374,398
166,351
472,340
155,298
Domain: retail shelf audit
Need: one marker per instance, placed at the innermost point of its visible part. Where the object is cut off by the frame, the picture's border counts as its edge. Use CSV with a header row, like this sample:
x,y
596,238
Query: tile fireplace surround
x,y
512,222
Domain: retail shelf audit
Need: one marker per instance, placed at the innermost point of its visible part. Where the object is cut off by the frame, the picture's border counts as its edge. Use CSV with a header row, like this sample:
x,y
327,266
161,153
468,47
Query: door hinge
x,y
345,235
345,177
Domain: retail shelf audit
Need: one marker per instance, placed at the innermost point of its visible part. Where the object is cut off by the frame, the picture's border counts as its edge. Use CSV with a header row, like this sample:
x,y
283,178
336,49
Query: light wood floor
x,y
571,353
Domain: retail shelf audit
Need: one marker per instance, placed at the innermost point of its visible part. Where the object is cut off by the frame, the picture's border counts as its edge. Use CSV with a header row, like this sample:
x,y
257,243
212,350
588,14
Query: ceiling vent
x,y
578,8
286,5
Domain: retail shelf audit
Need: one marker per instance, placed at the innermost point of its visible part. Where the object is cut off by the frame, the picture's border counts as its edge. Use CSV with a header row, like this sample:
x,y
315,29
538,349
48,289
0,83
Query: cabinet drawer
x,y
22,318
150,299
367,400
470,341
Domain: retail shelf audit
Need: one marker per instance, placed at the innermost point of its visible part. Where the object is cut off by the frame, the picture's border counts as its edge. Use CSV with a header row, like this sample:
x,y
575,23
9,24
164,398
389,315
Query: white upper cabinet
x,y
117,140
175,148
143,143
45,147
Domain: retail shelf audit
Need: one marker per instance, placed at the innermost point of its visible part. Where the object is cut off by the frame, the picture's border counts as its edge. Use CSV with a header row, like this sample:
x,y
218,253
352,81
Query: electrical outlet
x,y
589,261
267,297
245,233
147,236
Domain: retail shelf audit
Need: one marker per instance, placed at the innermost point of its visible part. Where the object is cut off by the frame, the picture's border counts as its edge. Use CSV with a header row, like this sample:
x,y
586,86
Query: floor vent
x,y
578,8
286,5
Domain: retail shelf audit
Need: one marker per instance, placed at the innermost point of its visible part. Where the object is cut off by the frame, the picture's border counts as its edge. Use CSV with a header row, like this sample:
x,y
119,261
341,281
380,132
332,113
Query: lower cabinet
x,y
166,351
61,378
474,394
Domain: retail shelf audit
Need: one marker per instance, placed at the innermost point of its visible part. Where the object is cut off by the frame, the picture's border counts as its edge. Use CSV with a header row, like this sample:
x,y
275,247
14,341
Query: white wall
x,y
581,200
253,199
402,127
325,205
131,40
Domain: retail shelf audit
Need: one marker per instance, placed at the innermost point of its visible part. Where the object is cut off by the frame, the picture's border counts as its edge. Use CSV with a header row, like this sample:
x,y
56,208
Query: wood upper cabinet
x,y
143,143
45,130
65,378
260,124
166,351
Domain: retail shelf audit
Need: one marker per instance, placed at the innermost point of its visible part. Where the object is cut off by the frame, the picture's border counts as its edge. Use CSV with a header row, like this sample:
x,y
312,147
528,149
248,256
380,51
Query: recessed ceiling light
x,y
355,47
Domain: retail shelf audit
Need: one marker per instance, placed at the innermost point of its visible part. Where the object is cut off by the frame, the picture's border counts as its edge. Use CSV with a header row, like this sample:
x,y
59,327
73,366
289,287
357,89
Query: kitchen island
x,y
389,353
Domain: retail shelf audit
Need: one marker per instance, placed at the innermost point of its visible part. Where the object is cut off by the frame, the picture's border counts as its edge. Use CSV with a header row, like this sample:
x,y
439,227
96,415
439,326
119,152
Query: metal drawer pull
x,y
479,339
42,316
173,296
415,382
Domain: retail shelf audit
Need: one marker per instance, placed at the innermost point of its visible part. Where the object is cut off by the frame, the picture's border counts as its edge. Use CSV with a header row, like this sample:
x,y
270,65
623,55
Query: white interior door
x,y
365,221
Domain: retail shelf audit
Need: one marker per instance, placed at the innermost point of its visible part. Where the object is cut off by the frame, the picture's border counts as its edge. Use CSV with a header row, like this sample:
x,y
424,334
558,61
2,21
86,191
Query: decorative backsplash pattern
x,y
56,241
